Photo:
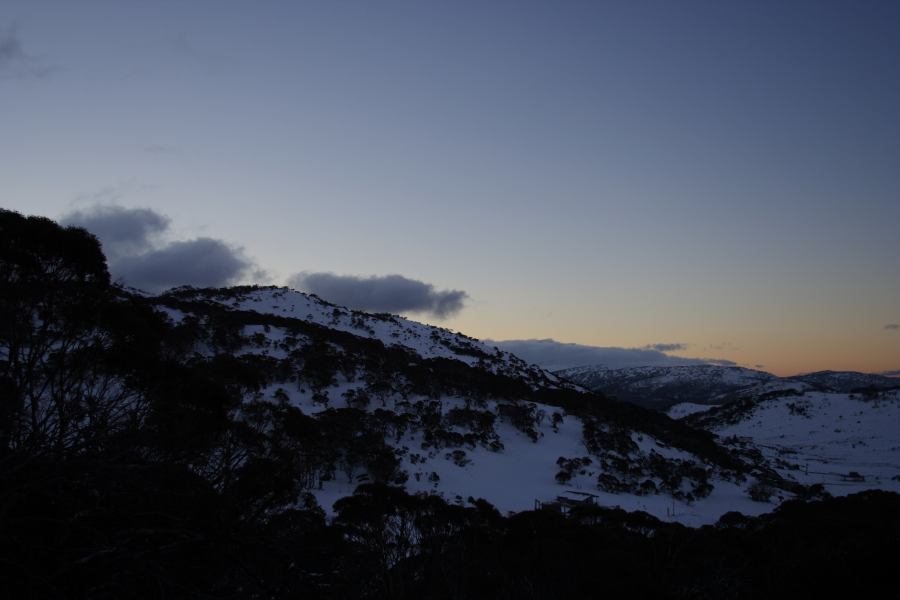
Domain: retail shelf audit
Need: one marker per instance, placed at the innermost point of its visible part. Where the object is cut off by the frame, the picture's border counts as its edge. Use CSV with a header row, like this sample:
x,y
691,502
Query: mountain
x,y
661,388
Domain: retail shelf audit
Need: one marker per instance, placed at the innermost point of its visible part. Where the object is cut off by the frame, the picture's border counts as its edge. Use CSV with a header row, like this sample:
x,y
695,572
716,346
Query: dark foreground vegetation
x,y
107,529
132,468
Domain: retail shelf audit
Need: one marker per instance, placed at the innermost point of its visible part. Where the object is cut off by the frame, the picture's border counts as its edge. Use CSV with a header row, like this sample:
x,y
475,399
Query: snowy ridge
x,y
427,341
663,387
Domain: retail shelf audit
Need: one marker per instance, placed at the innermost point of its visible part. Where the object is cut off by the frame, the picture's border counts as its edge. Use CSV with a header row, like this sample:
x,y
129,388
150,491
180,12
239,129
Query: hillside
x,y
426,341
837,429
459,418
845,442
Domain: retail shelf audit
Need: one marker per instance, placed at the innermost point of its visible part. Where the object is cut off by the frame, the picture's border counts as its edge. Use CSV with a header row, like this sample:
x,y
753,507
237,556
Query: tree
x,y
54,343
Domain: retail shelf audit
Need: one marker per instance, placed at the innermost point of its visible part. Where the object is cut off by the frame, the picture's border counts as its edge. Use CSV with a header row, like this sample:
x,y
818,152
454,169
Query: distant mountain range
x,y
662,388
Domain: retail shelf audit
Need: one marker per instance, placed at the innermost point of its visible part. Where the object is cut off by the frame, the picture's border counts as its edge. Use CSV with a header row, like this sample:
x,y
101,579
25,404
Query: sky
x,y
719,177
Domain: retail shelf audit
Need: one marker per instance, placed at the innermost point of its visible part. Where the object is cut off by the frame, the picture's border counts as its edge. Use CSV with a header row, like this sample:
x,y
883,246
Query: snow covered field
x,y
846,442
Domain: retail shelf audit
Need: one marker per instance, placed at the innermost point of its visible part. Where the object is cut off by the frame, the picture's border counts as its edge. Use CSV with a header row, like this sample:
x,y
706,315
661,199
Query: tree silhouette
x,y
59,385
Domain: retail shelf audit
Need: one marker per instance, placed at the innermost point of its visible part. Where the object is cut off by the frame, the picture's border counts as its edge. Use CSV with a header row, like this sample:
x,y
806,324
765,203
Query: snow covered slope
x,y
515,470
438,411
427,341
846,442
663,387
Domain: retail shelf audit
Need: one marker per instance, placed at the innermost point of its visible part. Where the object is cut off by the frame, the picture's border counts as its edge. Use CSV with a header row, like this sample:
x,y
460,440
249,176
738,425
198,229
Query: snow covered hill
x,y
661,388
426,341
437,411
845,442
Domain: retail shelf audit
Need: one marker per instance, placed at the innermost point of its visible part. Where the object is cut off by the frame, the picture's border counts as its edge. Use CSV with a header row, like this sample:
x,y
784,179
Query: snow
x,y
524,471
825,437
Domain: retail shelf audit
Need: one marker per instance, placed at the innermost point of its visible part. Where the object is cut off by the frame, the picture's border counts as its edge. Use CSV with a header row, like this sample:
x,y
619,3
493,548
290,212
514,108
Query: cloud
x,y
666,347
138,255
15,63
894,373
203,262
892,326
122,231
388,293
554,355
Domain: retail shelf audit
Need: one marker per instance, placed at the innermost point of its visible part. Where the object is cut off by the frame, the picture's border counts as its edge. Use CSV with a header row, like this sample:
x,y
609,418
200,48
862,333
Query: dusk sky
x,y
719,177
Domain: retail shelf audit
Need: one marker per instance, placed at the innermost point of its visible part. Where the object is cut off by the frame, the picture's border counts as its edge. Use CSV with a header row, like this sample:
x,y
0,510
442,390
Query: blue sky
x,y
721,175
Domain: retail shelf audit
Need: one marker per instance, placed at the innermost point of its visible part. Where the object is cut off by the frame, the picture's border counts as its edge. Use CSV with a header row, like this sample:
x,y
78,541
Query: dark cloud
x,y
894,373
122,231
138,257
554,355
666,347
203,262
892,326
388,293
